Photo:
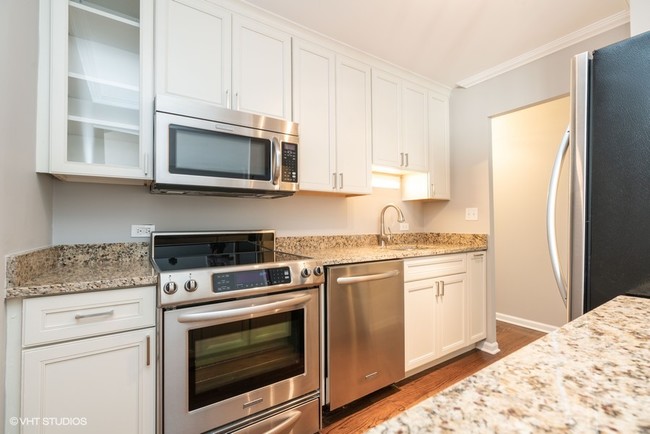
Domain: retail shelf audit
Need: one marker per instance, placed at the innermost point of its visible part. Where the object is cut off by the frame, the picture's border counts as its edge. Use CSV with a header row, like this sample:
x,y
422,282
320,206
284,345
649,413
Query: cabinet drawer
x,y
434,266
72,316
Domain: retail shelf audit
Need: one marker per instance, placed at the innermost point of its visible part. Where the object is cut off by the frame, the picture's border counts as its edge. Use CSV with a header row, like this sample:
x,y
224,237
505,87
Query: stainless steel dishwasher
x,y
364,329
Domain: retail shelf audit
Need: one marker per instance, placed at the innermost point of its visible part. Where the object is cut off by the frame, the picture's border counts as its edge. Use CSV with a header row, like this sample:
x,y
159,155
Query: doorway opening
x,y
524,144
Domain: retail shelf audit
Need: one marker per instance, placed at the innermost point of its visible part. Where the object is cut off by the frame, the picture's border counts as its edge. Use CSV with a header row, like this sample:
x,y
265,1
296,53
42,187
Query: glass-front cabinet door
x,y
100,88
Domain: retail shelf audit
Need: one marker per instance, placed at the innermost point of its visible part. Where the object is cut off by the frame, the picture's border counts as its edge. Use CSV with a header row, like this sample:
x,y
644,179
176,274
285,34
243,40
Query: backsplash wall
x,y
97,213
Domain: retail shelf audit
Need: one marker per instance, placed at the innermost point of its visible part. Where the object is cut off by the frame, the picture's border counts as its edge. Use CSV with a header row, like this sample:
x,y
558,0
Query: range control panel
x,y
289,162
247,279
224,283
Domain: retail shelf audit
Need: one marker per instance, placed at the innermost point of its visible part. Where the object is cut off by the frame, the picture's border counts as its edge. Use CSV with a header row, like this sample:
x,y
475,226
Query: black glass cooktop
x,y
182,251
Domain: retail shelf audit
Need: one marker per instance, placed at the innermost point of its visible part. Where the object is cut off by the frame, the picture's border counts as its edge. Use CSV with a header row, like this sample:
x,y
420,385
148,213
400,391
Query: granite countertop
x,y
90,267
79,268
590,376
364,248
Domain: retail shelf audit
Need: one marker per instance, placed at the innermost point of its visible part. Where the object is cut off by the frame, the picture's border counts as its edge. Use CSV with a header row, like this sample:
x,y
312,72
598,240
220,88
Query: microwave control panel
x,y
289,162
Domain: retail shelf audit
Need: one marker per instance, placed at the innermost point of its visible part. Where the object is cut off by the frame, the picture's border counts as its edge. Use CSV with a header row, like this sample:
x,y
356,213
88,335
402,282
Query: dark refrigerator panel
x,y
618,204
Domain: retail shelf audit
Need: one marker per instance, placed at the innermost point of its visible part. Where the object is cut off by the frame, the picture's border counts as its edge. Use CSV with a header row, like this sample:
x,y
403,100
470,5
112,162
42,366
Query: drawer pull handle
x,y
93,315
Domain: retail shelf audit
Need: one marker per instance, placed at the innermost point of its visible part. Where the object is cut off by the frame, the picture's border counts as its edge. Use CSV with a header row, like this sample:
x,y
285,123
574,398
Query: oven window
x,y
230,359
194,151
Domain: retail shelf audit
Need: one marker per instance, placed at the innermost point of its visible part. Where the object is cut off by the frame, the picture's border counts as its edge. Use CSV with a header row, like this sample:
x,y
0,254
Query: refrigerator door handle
x,y
550,216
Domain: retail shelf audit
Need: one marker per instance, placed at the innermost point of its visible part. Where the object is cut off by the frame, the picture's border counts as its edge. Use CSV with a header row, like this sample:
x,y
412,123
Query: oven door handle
x,y
244,311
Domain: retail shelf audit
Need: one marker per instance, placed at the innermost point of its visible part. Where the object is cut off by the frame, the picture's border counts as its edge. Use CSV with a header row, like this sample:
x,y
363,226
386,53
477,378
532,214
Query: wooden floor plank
x,y
374,409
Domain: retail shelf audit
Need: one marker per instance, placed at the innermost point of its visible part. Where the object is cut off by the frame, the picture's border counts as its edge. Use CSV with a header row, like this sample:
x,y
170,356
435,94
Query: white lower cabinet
x,y
98,384
440,312
477,278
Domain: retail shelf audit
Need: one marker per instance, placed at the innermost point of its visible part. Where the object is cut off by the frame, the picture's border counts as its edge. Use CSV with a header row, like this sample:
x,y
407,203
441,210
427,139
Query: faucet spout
x,y
385,233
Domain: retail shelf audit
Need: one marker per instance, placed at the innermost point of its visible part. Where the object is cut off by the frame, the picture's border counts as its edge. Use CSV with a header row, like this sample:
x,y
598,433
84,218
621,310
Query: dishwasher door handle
x,y
366,277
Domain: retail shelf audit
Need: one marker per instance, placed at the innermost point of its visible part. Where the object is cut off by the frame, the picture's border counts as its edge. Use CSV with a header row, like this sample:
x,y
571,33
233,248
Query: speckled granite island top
x,y
590,376
90,267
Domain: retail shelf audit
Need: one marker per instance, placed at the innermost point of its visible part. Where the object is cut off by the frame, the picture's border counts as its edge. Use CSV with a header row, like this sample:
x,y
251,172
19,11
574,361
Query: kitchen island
x,y
591,375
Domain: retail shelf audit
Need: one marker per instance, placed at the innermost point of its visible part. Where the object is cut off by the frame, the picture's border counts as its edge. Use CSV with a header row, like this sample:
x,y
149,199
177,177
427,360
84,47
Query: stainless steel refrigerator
x,y
608,148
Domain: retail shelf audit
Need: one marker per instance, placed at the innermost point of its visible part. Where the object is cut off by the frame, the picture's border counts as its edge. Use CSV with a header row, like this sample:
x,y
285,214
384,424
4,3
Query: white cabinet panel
x,y
313,109
434,184
477,284
193,50
439,146
386,119
452,323
353,126
415,143
420,304
261,68
98,385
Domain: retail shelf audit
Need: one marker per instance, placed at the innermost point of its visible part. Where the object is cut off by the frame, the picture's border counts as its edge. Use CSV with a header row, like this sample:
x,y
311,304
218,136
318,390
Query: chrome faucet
x,y
384,237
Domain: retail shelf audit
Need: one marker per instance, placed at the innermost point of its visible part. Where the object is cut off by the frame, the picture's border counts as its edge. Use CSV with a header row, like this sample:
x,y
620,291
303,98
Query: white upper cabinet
x,y
193,42
261,67
386,120
415,143
399,124
95,115
331,102
353,127
209,53
313,108
433,184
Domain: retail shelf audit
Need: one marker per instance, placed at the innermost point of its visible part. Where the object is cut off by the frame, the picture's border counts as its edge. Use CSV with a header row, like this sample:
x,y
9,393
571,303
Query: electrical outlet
x,y
471,213
142,231
404,226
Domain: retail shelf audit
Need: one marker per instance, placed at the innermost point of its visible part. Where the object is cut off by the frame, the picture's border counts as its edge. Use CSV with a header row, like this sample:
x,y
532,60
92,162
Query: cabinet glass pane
x,y
94,144
104,82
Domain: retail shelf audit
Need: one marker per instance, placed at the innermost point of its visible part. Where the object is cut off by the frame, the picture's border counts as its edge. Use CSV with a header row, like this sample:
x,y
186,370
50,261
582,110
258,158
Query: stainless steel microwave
x,y
203,149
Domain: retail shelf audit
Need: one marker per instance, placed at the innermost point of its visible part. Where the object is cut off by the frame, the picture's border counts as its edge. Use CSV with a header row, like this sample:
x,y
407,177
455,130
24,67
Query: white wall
x,y
89,213
25,217
639,16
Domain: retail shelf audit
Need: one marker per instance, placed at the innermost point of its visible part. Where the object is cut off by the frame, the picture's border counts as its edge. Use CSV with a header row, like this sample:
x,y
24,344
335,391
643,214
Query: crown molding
x,y
580,35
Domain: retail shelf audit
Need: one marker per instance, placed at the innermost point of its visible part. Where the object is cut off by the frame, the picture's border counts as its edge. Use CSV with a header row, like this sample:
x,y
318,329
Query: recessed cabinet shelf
x,y
100,100
103,85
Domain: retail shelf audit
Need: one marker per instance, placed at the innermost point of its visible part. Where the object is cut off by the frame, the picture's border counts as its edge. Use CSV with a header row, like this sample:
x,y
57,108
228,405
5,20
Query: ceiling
x,y
450,41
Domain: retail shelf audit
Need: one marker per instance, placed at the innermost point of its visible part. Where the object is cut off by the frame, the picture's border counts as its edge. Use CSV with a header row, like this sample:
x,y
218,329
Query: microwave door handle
x,y
276,160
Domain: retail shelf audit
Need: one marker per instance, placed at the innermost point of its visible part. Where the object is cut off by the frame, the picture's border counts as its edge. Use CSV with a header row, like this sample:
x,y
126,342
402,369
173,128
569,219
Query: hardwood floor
x,y
372,410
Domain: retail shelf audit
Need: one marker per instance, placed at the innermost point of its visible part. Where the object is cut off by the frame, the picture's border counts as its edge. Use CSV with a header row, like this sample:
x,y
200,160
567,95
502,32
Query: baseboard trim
x,y
546,328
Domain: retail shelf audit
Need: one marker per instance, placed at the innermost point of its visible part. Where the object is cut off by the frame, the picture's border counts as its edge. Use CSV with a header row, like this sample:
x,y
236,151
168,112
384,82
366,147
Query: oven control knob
x,y
318,270
306,272
191,285
170,287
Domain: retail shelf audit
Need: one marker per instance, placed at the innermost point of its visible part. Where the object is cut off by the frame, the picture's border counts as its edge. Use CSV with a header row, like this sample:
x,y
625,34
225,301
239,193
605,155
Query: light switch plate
x,y
471,213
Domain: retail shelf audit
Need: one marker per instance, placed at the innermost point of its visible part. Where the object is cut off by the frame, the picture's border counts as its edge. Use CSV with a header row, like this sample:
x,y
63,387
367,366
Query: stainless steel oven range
x,y
239,334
